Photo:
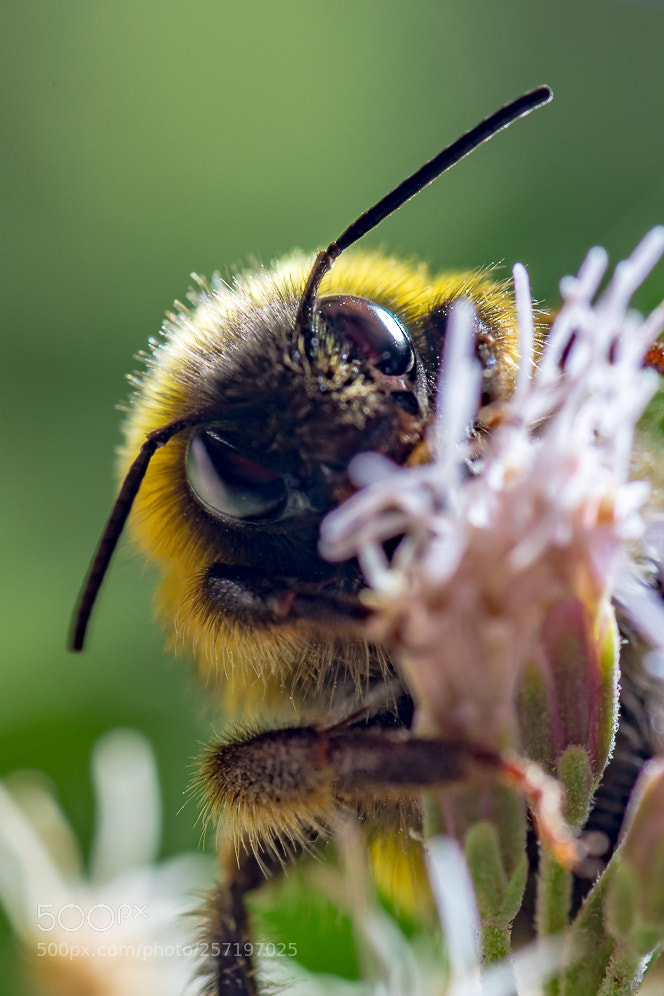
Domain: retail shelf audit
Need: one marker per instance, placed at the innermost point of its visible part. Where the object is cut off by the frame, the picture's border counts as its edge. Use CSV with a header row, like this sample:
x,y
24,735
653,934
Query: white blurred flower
x,y
403,967
122,929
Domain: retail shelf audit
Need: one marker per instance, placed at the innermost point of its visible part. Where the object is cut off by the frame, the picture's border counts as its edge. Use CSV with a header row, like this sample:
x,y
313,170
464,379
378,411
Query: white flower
x,y
488,558
122,929
397,966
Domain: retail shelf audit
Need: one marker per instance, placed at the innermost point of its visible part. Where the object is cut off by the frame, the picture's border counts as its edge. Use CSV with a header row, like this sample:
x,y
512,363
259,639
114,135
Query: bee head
x,y
241,432
231,507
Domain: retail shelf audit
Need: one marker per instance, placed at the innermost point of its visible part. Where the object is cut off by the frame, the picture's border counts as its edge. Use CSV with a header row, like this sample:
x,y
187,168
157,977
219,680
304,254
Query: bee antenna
x,y
303,333
432,169
116,520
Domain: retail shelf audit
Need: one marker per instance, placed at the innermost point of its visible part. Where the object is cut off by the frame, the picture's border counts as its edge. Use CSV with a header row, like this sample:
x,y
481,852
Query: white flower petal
x,y
126,783
28,876
455,901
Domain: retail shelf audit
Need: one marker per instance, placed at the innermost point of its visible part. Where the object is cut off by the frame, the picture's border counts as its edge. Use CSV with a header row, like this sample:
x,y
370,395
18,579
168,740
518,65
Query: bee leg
x,y
278,791
228,969
274,793
277,787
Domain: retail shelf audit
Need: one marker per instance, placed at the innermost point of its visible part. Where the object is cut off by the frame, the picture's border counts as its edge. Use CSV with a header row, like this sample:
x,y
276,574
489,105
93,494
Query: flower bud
x,y
568,696
634,905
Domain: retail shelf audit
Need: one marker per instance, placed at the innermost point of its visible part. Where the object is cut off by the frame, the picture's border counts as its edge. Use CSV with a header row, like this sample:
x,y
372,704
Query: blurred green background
x,y
143,141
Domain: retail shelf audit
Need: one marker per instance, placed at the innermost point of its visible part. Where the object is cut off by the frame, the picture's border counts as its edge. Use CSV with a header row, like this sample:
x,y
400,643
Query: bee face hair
x,y
231,508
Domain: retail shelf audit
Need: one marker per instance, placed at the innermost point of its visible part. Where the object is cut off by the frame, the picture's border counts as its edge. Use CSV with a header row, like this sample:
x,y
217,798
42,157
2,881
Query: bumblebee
x,y
237,444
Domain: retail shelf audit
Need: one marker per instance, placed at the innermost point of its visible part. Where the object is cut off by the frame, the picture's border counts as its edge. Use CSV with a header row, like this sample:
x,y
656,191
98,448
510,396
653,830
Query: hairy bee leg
x,y
274,788
229,969
278,790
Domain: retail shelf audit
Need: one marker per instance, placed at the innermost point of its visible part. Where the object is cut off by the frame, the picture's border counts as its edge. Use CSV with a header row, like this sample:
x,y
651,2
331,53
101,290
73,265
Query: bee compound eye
x,y
227,483
374,332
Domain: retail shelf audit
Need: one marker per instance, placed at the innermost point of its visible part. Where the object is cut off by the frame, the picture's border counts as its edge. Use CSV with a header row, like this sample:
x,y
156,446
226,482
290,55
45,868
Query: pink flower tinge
x,y
498,596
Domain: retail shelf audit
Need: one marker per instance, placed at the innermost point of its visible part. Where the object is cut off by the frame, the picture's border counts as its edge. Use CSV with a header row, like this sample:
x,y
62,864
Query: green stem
x,y
554,893
624,972
588,948
496,941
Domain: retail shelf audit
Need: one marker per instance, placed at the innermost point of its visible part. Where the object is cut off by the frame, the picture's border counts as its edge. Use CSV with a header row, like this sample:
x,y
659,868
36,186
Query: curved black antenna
x,y
302,331
119,513
486,129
